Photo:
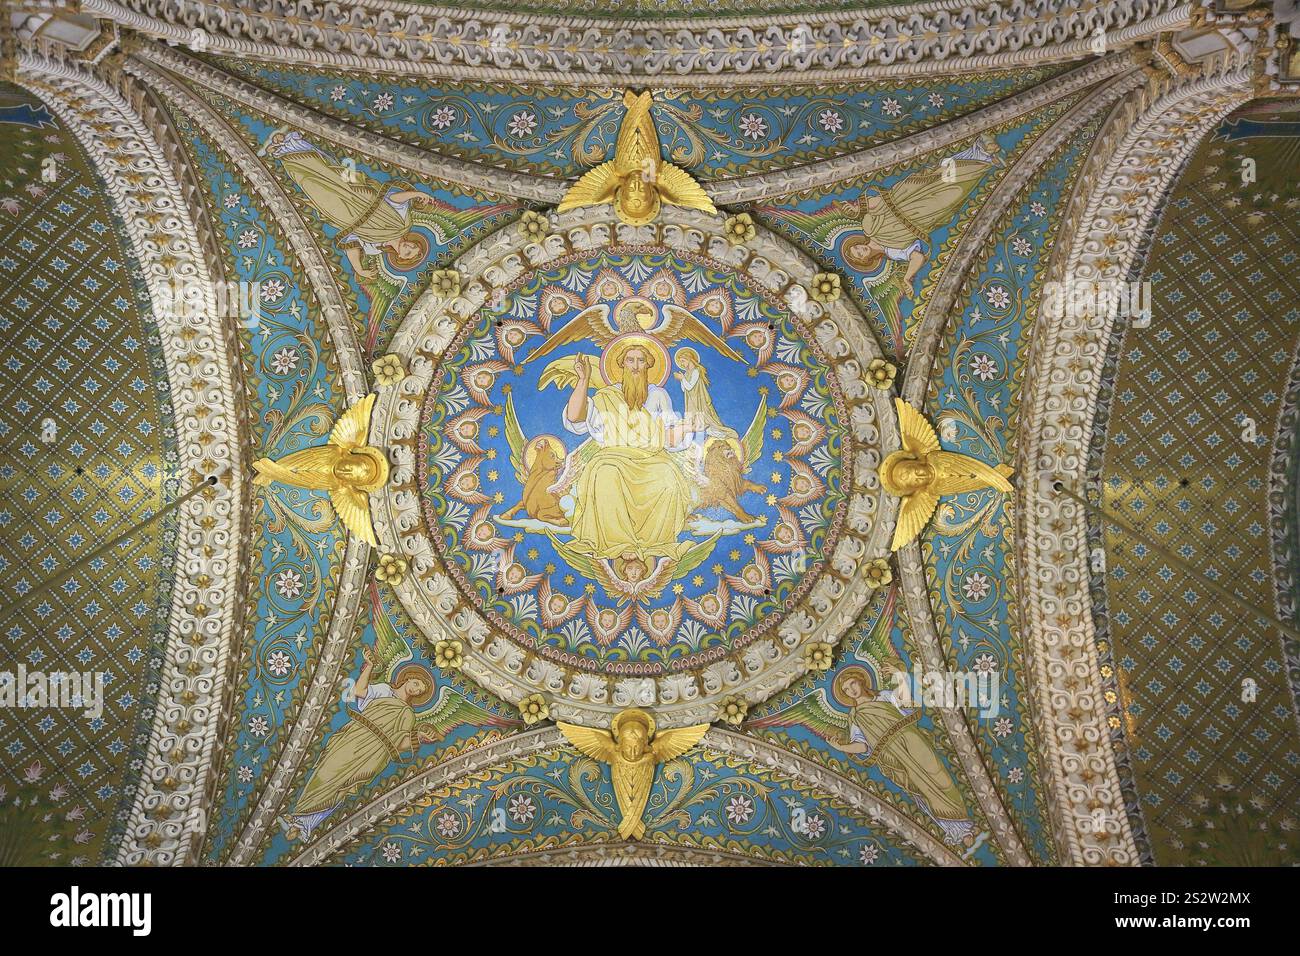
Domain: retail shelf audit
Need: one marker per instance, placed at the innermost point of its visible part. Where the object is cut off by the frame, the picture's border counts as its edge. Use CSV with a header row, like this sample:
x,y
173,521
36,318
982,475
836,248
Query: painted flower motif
x,y
534,709
388,369
936,100
1021,247
869,854
983,367
999,297
985,664
733,711
878,573
753,126
289,583
976,586
272,290
258,726
881,374
890,106
279,663
391,569
1038,209
338,93
740,227
448,824
740,809
831,121
382,102
521,808
285,361
813,827
231,200
392,852
446,282
534,225
1015,775
522,123
818,656
1003,727
448,654
245,774
247,239
826,287
443,117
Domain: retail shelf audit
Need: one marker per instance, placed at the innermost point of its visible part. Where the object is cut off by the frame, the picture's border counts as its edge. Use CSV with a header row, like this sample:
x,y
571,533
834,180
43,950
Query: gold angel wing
x,y
912,516
588,325
753,440
669,744
563,373
918,435
353,427
597,744
516,440
449,711
637,138
956,473
594,187
679,324
814,712
679,187
353,509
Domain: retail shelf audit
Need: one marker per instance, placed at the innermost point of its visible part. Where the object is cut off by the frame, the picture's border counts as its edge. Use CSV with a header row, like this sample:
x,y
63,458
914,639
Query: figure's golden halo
x,y
611,359
530,450
632,715
422,672
856,671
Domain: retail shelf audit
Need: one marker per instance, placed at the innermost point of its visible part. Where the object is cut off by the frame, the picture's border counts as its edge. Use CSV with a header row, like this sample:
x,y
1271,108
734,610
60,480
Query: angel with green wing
x,y
386,726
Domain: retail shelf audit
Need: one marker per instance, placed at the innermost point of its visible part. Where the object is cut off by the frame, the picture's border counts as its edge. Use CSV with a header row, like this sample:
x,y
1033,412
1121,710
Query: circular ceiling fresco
x,y
689,526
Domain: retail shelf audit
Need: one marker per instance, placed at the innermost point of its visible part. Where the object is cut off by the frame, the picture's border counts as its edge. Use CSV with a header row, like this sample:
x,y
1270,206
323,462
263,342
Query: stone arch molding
x,y
507,666
1133,166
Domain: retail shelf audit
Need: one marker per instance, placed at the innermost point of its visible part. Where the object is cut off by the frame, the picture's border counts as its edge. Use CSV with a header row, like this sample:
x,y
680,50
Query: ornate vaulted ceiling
x,y
467,397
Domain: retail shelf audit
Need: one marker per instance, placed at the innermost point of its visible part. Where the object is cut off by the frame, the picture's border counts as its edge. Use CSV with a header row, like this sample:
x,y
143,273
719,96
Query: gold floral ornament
x,y
878,574
388,369
534,709
818,656
445,282
825,287
733,710
346,467
391,569
740,227
633,752
921,473
637,180
448,654
881,374
535,225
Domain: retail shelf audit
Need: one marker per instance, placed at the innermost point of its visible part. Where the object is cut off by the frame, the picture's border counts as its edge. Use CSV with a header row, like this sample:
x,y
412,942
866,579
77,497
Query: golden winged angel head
x,y
364,468
632,730
903,473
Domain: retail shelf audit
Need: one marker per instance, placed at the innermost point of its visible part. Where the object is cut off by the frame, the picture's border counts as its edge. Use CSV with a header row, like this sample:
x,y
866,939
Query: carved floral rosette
x,y
835,590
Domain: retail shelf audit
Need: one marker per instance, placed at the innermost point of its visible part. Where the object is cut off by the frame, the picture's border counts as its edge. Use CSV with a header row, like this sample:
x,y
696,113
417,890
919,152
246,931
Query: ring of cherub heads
x,y
628,471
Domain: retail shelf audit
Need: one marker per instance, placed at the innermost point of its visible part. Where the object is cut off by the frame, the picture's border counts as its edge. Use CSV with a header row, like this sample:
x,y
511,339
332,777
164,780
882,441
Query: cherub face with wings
x,y
906,474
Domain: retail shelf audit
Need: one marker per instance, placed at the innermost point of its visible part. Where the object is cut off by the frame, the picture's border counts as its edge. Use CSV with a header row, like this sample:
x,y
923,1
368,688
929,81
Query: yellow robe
x,y
908,759
354,208
914,207
631,496
358,753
